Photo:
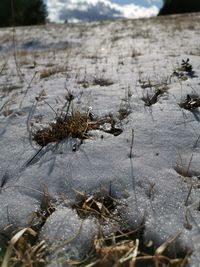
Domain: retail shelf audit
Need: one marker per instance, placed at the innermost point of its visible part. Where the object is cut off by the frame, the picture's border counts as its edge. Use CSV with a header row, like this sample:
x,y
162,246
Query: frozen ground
x,y
39,66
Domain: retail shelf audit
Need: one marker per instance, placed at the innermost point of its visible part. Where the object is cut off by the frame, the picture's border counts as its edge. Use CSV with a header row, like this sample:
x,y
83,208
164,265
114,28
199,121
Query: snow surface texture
x,y
138,56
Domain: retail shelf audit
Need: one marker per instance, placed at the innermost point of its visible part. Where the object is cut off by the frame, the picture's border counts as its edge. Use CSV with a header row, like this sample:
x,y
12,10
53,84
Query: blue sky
x,y
138,2
145,3
89,10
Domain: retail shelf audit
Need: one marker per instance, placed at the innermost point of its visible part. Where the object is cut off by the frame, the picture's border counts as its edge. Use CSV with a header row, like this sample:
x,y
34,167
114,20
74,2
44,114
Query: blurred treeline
x,y
22,12
179,6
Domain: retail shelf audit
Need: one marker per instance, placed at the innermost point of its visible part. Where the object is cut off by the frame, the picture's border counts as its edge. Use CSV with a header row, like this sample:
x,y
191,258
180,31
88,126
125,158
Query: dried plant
x,y
129,249
191,102
183,169
45,73
47,207
102,82
25,250
98,205
76,125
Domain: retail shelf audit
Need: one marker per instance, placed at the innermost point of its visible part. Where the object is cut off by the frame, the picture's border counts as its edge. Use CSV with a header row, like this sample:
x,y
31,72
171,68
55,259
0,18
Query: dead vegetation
x,y
45,73
25,250
191,102
129,249
102,82
98,205
135,53
47,207
76,125
183,169
9,88
153,89
152,96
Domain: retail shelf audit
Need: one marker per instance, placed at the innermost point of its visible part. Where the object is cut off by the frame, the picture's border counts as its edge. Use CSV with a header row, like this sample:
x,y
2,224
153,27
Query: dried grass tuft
x,y
191,102
98,205
45,73
130,250
102,82
24,250
76,125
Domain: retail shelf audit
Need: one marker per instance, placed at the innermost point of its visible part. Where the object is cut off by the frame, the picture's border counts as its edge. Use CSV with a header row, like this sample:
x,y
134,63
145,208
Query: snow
x,y
124,52
65,223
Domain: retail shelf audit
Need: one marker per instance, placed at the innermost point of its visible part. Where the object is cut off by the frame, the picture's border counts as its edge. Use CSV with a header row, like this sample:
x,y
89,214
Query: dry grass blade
x,y
167,243
182,169
93,263
131,255
117,253
23,250
13,241
188,195
47,207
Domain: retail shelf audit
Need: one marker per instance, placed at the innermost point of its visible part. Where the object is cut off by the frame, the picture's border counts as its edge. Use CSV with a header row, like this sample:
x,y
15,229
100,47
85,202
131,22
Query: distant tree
x,y
22,12
179,6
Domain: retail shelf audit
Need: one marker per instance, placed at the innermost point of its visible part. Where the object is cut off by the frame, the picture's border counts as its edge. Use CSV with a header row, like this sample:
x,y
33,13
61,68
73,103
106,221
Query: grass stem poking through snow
x,y
131,147
187,225
183,170
188,195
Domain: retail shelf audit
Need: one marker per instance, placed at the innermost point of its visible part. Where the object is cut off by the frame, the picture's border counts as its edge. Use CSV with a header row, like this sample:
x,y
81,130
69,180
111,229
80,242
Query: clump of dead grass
x,y
153,89
129,249
76,125
152,97
98,205
191,102
135,53
45,73
25,250
102,82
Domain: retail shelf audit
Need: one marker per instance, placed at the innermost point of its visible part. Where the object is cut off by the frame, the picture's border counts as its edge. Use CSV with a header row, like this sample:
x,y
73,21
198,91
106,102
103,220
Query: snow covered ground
x,y
139,62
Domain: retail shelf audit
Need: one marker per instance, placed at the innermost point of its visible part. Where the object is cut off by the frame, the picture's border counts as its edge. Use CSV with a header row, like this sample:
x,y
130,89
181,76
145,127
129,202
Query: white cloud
x,y
71,10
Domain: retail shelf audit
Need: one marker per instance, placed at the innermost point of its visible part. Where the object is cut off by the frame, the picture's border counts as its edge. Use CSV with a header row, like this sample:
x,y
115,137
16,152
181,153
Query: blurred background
x,y
34,12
